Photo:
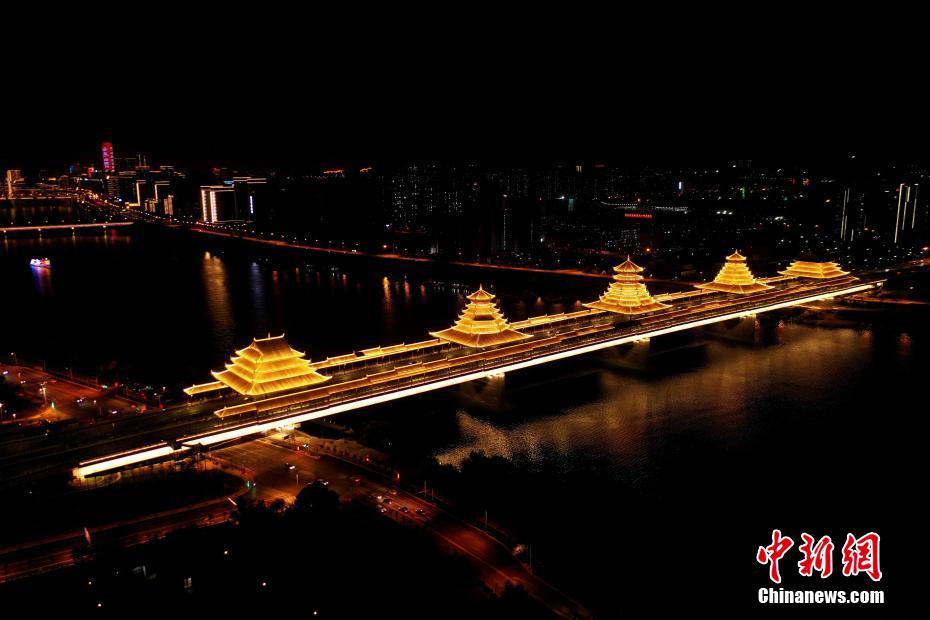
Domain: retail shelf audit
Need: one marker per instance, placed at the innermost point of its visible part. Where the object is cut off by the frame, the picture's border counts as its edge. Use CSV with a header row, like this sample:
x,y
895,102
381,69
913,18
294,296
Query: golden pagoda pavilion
x,y
481,324
735,277
266,366
627,294
814,270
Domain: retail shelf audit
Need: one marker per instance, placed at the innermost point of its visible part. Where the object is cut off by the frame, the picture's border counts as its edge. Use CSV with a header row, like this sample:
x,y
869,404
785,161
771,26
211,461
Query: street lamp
x,y
296,476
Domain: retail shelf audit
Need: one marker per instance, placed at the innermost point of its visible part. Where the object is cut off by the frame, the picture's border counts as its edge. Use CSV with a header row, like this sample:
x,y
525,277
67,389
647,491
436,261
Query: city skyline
x,y
557,216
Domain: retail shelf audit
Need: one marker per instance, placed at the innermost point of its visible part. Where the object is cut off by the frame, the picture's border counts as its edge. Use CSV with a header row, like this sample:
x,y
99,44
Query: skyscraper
x,y
109,163
233,200
906,222
13,177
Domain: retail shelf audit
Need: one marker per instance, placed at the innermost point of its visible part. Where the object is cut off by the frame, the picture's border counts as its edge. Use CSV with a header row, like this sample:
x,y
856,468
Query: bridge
x,y
41,193
283,388
42,227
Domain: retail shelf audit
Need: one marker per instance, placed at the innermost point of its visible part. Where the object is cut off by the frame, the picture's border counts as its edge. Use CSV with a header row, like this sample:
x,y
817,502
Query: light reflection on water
x,y
621,416
219,303
259,307
43,281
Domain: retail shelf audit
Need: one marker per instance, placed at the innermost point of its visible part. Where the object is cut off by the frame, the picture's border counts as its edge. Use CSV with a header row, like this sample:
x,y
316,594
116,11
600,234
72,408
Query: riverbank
x,y
387,256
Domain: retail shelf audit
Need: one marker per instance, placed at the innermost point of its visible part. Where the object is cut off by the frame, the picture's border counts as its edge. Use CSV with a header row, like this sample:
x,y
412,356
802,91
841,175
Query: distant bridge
x,y
43,227
34,194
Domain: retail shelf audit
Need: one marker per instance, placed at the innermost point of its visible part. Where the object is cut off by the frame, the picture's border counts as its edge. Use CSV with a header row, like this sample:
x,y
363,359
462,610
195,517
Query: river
x,y
638,490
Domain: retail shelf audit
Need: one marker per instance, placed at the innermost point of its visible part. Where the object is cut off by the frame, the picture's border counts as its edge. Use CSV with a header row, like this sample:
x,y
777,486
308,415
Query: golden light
x,y
153,452
481,324
627,294
735,277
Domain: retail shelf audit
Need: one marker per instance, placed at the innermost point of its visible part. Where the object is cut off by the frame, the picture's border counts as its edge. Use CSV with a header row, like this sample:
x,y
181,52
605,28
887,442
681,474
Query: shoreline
x,y
423,261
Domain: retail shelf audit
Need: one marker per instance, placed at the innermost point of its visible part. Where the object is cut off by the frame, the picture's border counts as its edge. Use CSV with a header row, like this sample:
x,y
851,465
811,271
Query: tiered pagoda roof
x,y
266,366
815,270
481,324
627,294
735,277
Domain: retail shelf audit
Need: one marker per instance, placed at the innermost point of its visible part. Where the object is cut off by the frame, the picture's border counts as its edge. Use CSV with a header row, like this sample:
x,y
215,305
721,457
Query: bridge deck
x,y
414,377
41,227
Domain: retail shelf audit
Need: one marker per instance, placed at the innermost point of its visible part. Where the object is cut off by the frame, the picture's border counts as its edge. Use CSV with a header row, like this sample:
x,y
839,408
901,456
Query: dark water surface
x,y
165,307
641,492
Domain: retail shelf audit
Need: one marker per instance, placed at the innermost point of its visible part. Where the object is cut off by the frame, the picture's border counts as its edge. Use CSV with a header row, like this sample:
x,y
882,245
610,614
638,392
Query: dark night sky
x,y
327,91
282,131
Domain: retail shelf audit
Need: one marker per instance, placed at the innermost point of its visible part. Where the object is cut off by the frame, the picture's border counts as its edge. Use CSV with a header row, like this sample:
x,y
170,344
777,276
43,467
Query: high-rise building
x,y
906,213
150,205
162,185
213,207
109,162
234,200
112,184
141,192
12,178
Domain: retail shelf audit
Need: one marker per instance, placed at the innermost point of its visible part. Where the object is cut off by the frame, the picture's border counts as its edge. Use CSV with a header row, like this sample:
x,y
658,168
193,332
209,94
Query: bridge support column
x,y
630,356
488,391
755,329
654,353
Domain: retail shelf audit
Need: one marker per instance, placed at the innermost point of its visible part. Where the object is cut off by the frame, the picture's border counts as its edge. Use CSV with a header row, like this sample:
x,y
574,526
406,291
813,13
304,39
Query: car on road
x,y
386,500
420,512
404,509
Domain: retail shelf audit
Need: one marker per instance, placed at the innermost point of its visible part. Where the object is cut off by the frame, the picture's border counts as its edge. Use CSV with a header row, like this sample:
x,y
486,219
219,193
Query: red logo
x,y
817,557
773,553
860,555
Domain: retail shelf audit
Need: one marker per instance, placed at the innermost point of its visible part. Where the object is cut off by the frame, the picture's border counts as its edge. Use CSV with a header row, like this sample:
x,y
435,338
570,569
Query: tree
x,y
317,500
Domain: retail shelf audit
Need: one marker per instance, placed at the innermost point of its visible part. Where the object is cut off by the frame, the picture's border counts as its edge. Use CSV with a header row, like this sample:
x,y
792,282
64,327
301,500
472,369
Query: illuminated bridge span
x,y
291,389
42,194
41,227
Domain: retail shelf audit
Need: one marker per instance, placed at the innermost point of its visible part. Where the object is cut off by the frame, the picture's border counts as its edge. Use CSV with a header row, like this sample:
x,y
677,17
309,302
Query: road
x,y
280,471
64,550
58,398
32,452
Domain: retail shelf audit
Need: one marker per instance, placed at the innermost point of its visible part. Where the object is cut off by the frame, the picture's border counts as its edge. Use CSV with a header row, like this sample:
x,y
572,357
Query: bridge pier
x,y
650,354
488,391
754,329
631,356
